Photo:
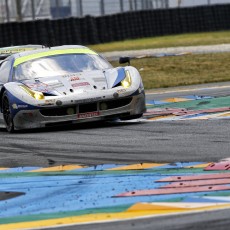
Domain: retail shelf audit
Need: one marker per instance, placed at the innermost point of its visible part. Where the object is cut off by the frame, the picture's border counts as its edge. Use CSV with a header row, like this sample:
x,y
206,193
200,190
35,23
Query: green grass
x,y
192,39
183,70
177,70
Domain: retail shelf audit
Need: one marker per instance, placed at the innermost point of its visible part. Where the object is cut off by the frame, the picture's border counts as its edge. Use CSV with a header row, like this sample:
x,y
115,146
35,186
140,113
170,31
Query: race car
x,y
65,85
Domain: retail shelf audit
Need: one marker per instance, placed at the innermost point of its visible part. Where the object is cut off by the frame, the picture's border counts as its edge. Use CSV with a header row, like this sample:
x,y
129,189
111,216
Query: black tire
x,y
7,113
131,117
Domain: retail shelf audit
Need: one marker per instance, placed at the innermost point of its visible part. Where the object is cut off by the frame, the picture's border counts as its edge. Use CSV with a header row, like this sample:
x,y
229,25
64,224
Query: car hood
x,y
76,82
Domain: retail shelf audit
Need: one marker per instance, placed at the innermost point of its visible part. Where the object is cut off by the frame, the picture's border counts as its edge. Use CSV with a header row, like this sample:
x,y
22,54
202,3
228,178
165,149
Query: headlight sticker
x,y
35,94
126,83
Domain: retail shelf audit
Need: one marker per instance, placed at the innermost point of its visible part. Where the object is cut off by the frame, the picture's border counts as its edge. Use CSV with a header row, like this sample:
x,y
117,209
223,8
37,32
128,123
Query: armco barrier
x,y
138,24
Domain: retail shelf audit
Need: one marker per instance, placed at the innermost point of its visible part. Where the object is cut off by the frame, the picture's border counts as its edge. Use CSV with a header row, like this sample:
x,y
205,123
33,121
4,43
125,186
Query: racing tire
x,y
131,117
7,116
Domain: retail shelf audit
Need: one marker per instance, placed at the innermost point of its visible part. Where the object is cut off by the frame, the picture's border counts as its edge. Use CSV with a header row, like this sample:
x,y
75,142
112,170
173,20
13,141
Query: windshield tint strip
x,y
23,59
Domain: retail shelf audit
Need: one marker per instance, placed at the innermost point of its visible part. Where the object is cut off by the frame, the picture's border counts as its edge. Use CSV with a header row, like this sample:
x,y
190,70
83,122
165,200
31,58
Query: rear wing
x,y
7,51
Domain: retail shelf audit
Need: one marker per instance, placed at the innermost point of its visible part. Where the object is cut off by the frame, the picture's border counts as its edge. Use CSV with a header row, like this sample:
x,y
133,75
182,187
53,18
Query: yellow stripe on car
x,y
29,57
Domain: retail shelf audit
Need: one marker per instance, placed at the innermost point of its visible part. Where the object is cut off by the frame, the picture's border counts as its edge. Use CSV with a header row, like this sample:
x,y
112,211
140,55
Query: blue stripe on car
x,y
18,102
120,76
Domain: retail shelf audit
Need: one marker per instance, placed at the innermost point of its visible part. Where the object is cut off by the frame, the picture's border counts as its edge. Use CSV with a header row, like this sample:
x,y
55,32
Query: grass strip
x,y
170,71
190,39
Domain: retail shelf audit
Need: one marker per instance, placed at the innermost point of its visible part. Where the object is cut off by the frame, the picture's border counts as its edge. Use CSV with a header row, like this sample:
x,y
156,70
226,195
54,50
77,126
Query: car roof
x,y
22,57
21,54
8,51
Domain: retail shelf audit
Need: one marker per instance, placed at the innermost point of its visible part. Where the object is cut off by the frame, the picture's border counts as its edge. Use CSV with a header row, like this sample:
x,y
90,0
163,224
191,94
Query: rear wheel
x,y
7,113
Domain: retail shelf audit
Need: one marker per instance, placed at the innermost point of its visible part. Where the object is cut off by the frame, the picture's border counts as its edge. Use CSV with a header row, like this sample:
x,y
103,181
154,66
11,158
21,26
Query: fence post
x,y
57,6
135,5
121,6
19,10
7,11
79,8
102,6
130,5
33,9
167,4
156,4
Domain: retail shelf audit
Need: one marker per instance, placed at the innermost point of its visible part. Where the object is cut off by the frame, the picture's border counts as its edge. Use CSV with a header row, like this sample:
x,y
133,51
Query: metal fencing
x,y
24,10
116,27
105,7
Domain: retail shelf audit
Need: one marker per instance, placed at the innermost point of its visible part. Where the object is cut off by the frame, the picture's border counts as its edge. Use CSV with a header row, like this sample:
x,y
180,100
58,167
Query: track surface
x,y
99,143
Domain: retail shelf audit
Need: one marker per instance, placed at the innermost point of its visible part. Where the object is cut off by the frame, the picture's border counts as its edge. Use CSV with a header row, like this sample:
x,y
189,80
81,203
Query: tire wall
x,y
138,24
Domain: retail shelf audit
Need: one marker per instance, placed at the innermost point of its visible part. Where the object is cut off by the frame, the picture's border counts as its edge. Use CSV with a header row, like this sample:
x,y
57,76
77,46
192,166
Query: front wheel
x,y
7,113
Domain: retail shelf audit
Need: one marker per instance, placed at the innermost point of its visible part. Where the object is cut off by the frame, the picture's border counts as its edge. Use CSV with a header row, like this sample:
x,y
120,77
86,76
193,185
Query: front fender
x,y
18,98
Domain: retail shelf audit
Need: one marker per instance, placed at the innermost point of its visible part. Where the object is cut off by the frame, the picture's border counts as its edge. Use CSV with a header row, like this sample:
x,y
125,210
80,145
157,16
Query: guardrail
x,y
92,30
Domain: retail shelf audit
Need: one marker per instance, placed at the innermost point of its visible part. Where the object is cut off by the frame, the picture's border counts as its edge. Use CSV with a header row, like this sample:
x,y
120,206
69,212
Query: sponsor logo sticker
x,y
71,75
88,115
15,106
75,78
54,83
119,91
80,84
41,87
50,101
99,79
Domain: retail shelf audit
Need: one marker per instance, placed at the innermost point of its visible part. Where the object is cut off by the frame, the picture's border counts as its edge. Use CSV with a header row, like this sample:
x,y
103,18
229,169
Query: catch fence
x,y
24,10
108,28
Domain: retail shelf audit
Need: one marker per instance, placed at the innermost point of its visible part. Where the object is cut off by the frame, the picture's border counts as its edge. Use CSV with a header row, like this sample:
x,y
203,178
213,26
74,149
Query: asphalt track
x,y
128,143
101,143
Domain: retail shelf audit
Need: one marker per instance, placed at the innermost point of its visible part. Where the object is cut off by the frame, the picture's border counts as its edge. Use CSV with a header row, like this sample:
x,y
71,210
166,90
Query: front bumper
x,y
78,113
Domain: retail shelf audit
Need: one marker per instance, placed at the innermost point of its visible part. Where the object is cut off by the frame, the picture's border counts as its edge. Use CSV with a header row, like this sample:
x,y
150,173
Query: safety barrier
x,y
138,24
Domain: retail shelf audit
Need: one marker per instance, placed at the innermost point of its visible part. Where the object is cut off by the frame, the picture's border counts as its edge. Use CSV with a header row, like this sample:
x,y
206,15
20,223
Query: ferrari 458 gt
x,y
65,85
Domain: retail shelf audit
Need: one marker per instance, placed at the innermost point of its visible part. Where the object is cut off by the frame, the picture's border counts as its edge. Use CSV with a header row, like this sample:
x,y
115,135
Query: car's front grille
x,y
85,108
59,111
91,107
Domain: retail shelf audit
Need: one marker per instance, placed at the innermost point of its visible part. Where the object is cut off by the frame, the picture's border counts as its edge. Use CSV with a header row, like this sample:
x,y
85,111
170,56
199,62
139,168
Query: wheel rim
x,y
7,113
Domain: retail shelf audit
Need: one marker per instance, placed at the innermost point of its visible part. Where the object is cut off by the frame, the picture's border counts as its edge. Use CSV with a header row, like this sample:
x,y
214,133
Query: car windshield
x,y
59,65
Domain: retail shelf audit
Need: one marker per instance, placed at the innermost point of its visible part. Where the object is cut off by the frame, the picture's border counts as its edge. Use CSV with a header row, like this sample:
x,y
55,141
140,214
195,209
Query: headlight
x,y
35,94
126,83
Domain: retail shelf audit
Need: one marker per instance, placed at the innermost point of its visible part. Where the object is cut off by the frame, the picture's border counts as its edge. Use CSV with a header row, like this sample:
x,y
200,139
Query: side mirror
x,y
123,60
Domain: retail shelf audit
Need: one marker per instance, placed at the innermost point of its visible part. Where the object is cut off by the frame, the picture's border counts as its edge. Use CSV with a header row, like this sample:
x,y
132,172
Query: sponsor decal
x,y
71,75
48,102
41,87
80,84
15,106
75,78
14,50
54,83
119,91
88,115
51,101
99,79
88,100
22,106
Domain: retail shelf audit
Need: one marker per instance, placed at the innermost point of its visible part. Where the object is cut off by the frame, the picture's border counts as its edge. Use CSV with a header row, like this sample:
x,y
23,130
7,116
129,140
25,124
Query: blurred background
x,y
122,25
24,10
89,22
